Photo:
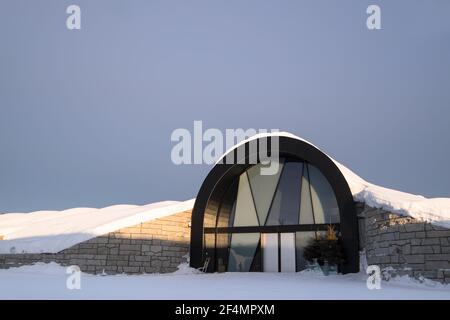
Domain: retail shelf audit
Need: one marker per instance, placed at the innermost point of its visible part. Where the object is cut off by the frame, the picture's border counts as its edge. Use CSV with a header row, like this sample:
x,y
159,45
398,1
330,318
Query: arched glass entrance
x,y
245,221
264,221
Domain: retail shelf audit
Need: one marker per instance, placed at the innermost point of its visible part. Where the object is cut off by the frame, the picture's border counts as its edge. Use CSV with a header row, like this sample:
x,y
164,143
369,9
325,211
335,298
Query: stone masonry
x,y
398,244
403,245
158,245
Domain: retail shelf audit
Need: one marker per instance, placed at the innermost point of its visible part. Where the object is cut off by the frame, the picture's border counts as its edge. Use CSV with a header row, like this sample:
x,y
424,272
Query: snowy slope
x,y
434,210
53,231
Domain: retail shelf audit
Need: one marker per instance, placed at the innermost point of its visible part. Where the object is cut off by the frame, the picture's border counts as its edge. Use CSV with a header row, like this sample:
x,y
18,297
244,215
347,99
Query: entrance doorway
x,y
278,252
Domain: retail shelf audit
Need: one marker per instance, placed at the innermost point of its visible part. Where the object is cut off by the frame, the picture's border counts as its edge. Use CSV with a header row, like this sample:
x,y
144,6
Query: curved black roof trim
x,y
221,175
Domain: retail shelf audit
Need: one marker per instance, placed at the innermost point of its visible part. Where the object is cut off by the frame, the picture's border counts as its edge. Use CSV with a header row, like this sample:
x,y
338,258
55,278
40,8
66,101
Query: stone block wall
x,y
403,245
158,245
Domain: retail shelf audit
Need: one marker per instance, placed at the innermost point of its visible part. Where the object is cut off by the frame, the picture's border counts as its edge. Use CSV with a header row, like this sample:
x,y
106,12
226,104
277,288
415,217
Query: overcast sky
x,y
86,115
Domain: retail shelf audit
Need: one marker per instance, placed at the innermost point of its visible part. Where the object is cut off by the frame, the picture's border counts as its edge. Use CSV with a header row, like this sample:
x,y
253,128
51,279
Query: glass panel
x,y
263,189
324,201
306,211
232,215
210,217
245,212
242,251
227,206
222,252
270,252
256,264
209,241
287,252
286,203
301,240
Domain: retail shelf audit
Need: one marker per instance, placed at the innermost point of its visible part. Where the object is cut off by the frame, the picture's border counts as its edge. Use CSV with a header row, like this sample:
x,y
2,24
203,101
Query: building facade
x,y
244,220
247,221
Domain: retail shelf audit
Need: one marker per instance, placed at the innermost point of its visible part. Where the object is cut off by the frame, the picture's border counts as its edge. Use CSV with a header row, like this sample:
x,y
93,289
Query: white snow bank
x,y
434,210
48,281
53,231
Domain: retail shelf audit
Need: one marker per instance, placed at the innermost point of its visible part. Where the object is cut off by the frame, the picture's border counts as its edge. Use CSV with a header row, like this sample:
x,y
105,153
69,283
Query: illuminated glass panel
x,y
306,210
245,212
263,187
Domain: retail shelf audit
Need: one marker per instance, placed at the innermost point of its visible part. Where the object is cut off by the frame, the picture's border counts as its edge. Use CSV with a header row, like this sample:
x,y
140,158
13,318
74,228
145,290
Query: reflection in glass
x,y
242,251
210,239
286,203
222,252
263,187
324,201
301,240
232,214
226,213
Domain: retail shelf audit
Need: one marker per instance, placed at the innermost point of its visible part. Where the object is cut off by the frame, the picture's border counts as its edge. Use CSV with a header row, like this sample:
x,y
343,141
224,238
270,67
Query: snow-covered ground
x,y
48,281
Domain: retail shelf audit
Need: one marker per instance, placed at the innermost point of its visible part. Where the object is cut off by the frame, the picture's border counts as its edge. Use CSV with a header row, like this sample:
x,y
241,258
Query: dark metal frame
x,y
272,229
221,176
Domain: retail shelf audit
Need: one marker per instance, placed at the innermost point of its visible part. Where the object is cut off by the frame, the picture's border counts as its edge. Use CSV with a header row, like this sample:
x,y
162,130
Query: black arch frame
x,y
219,178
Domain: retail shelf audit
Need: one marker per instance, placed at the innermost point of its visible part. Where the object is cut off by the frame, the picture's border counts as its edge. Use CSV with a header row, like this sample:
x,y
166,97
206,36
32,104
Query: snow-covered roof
x,y
53,231
434,210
